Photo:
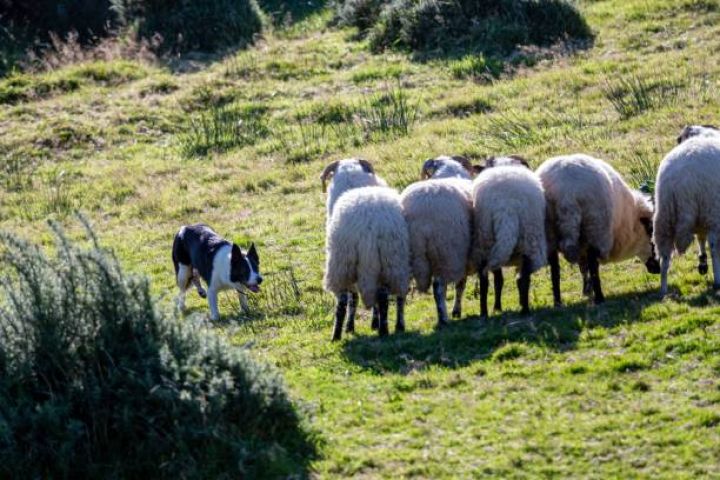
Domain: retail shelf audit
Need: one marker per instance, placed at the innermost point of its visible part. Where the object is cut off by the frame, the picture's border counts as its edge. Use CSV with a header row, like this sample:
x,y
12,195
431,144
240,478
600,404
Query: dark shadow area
x,y
471,339
288,12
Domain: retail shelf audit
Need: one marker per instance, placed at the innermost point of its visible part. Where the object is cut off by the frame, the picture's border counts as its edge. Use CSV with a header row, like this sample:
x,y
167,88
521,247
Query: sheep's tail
x,y
507,231
383,262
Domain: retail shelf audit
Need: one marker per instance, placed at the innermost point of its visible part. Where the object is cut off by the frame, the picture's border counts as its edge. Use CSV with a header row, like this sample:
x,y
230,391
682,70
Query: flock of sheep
x,y
462,219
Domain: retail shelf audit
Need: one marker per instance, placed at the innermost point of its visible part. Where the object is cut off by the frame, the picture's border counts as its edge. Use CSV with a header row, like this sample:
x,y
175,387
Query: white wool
x,y
509,218
367,244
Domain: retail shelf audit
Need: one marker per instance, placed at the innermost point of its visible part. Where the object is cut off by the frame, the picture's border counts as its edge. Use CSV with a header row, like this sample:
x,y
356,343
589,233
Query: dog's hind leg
x,y
184,277
198,286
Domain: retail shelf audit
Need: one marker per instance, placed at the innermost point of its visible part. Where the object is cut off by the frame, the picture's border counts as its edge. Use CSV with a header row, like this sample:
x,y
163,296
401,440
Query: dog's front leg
x,y
213,302
243,302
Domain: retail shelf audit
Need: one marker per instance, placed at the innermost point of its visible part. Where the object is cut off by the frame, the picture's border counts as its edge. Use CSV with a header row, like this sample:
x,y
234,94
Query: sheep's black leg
x,y
498,282
484,286
352,309
382,304
340,309
439,295
585,274
400,322
714,242
459,292
554,260
375,318
702,255
523,284
593,264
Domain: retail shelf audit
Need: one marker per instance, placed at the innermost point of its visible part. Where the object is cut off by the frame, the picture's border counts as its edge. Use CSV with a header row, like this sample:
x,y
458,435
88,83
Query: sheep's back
x,y
439,214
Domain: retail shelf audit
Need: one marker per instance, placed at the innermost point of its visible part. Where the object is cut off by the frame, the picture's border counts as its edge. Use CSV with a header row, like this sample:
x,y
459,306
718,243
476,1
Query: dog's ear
x,y
253,255
236,254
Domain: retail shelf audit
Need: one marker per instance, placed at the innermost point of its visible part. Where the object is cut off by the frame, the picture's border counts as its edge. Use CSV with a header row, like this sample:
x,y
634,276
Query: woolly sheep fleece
x,y
588,199
367,244
687,194
509,206
439,215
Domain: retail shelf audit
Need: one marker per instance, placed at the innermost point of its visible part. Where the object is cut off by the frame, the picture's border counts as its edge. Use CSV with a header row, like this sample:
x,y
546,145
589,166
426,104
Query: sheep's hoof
x,y
716,286
336,336
442,323
456,313
703,268
350,329
558,303
525,312
400,328
203,293
383,331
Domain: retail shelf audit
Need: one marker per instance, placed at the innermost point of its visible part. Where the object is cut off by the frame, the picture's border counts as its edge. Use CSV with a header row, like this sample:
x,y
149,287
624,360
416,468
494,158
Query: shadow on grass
x,y
471,339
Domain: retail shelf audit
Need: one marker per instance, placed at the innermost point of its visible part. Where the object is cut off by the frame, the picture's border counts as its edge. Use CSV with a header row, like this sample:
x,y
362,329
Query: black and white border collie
x,y
199,251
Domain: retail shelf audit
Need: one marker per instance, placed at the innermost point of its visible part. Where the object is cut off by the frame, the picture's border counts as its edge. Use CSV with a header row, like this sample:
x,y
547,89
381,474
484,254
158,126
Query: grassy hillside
x,y
628,389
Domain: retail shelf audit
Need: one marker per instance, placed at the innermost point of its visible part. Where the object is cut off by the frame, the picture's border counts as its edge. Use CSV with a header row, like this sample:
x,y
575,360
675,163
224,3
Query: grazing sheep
x,y
509,224
438,212
593,217
367,243
686,203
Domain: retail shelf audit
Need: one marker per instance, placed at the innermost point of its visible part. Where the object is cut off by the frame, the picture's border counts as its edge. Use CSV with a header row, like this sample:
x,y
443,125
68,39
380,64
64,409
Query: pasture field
x,y
629,389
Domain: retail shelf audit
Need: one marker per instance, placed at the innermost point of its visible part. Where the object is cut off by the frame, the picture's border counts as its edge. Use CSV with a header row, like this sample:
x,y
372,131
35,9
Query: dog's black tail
x,y
179,254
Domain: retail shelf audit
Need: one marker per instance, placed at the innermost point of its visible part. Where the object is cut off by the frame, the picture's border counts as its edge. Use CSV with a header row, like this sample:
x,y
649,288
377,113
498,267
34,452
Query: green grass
x,y
629,389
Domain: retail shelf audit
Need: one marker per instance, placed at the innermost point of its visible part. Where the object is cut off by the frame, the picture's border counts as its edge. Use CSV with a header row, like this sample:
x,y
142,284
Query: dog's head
x,y
245,268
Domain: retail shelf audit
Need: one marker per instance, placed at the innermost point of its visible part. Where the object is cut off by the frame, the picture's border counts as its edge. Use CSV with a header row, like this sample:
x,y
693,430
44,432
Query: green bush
x,y
491,26
97,382
185,25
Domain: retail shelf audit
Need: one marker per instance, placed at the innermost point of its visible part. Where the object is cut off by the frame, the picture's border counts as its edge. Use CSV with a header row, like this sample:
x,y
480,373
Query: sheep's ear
x,y
684,134
520,159
464,161
489,162
428,169
713,127
328,172
476,169
366,166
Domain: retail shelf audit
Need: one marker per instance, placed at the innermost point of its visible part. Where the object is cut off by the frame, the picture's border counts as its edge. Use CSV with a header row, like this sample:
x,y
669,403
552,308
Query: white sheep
x,y
593,217
509,224
438,212
686,203
367,243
